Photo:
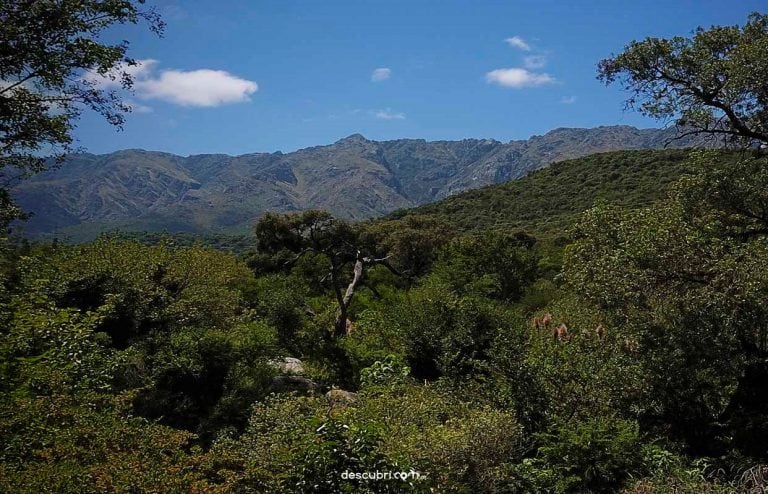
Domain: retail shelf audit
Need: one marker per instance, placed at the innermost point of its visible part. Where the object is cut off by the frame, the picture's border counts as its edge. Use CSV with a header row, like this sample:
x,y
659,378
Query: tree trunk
x,y
346,300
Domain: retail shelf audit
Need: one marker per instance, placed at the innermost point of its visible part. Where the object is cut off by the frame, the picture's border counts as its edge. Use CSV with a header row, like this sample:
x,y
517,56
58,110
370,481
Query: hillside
x,y
546,201
354,178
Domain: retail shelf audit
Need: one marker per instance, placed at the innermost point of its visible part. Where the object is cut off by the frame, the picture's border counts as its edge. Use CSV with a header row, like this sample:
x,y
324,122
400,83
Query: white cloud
x,y
568,100
201,88
381,74
518,42
518,78
388,114
534,61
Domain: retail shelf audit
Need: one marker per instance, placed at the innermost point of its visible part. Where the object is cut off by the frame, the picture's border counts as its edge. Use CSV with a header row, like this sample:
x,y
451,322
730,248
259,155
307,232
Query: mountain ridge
x,y
354,178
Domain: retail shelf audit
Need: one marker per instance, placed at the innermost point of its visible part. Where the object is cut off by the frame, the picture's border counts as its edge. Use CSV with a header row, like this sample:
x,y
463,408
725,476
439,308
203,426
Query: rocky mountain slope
x,y
354,178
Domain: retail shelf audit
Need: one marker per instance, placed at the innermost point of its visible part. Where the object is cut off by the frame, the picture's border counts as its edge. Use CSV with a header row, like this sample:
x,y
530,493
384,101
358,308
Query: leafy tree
x,y
280,301
118,315
712,84
45,350
50,51
463,445
91,442
686,281
141,288
493,265
413,240
584,375
443,334
319,233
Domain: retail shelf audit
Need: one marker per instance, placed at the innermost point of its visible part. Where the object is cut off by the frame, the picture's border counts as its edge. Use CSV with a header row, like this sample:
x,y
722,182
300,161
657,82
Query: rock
x,y
288,365
341,397
287,384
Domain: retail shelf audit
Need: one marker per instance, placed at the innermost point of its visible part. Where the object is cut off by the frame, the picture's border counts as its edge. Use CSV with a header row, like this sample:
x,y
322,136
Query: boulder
x,y
288,365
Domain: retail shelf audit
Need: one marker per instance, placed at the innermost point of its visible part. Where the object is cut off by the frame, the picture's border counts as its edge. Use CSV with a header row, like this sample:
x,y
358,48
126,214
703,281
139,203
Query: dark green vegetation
x,y
147,367
618,344
354,178
548,201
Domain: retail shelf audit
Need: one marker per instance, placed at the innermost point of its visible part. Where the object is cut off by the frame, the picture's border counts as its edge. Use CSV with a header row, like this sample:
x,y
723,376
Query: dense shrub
x,y
90,443
594,455
493,265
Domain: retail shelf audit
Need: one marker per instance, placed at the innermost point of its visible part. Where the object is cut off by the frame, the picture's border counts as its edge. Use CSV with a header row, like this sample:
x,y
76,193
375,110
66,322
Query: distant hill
x,y
547,201
354,178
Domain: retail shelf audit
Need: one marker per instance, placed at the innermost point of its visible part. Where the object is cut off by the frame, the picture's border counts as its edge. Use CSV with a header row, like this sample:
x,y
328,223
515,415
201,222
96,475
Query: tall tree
x,y
48,49
319,233
712,84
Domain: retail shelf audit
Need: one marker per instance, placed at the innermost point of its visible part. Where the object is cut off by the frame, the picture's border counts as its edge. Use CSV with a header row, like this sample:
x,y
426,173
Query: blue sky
x,y
253,76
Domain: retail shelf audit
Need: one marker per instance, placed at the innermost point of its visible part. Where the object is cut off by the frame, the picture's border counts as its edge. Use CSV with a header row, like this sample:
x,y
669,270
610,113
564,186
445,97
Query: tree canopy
x,y
711,84
319,233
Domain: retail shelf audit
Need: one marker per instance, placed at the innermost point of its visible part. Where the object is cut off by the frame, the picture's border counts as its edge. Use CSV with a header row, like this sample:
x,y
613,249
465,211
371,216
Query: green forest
x,y
598,326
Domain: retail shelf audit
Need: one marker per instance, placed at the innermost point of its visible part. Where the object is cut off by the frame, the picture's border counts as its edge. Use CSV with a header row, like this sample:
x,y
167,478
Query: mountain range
x,y
354,178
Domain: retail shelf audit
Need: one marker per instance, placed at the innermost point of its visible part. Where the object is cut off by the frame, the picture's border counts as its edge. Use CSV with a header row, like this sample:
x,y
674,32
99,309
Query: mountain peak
x,y
353,138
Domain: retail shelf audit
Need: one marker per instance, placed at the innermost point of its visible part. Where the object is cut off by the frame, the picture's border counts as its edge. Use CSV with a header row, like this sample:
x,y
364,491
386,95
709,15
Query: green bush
x,y
146,288
591,456
445,334
460,445
46,350
90,443
493,265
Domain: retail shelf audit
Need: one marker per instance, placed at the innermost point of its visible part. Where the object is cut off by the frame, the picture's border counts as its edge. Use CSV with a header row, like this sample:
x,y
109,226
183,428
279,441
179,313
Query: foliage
x,y
204,379
445,334
413,242
339,448
461,446
318,231
291,445
711,83
49,350
690,288
281,301
322,237
583,375
671,473
596,455
388,372
89,443
547,201
492,265
142,288
118,315
219,241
